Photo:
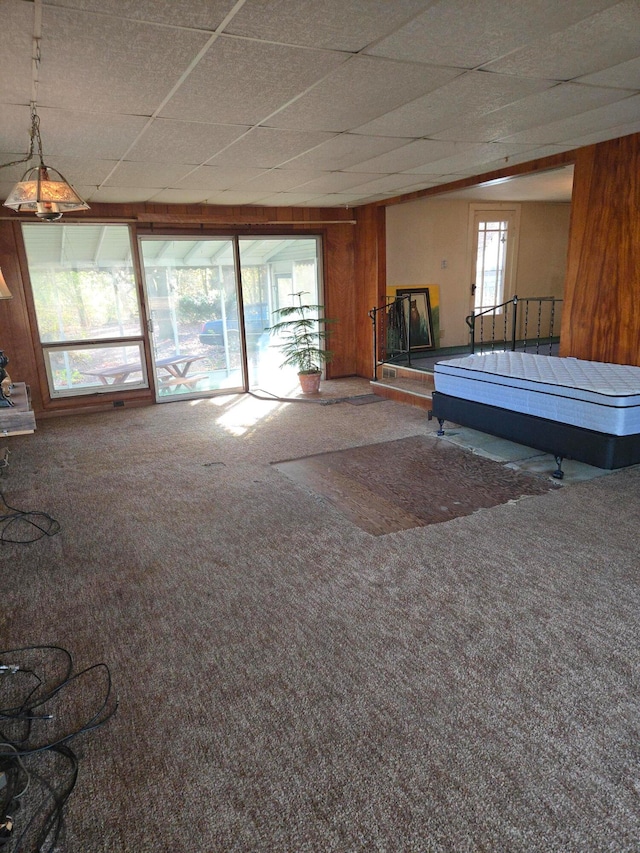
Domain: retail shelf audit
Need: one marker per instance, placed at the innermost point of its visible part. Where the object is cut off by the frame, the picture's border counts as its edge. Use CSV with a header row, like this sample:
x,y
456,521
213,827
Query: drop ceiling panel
x,y
472,94
334,182
342,151
359,91
287,199
235,197
331,24
266,147
73,134
184,13
605,39
389,183
179,197
167,140
278,104
469,33
412,156
473,158
563,100
215,178
115,195
15,126
15,50
159,175
598,120
110,64
623,76
243,82
277,180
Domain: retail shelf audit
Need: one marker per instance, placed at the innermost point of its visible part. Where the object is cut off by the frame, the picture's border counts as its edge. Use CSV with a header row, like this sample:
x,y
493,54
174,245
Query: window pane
x,y
83,282
80,370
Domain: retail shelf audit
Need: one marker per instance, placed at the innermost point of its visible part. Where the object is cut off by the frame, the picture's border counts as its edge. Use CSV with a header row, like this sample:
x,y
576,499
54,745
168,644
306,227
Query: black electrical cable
x,y
42,522
42,832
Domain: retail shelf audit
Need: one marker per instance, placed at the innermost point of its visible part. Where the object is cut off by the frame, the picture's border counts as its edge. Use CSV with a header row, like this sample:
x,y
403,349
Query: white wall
x,y
422,234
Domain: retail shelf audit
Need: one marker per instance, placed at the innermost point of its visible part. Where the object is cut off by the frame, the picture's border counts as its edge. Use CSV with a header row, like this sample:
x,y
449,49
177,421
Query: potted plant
x,y
302,333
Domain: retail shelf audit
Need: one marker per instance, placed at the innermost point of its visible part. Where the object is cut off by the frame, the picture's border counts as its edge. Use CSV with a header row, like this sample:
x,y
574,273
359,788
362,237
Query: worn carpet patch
x,y
410,482
364,399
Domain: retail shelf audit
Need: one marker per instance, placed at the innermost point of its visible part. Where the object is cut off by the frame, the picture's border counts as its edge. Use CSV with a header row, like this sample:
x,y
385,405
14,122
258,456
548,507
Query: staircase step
x,y
416,391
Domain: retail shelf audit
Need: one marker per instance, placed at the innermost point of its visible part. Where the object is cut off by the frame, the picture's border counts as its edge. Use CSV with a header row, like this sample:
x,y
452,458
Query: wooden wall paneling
x,y
370,280
339,297
15,323
601,316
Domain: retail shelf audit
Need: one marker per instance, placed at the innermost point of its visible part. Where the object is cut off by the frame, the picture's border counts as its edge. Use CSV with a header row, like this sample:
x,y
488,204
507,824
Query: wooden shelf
x,y
19,418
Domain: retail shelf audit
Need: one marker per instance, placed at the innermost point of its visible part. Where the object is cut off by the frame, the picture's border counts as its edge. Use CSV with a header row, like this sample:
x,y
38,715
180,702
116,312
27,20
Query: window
x,y
87,307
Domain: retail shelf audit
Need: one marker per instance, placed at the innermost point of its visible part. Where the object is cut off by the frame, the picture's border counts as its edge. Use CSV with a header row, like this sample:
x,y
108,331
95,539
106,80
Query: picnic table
x,y
176,366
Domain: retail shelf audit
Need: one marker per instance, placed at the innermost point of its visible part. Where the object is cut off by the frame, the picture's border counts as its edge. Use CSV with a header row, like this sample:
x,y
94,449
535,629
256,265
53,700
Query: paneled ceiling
x,y
308,103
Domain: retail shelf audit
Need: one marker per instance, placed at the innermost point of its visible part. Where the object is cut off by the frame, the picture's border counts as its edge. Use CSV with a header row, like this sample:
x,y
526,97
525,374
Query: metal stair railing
x,y
391,332
505,327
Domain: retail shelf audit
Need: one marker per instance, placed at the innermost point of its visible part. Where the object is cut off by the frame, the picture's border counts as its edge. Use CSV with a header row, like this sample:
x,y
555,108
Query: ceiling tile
x,y
471,157
266,147
157,175
72,133
331,182
287,199
368,87
471,95
15,127
168,196
563,100
15,50
133,75
602,40
344,150
469,33
390,183
276,180
411,155
243,82
121,195
603,135
598,120
235,197
623,76
332,24
183,13
167,140
216,178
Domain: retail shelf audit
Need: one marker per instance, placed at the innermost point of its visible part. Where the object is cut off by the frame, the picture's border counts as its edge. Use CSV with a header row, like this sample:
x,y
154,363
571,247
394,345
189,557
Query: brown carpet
x,y
410,482
291,684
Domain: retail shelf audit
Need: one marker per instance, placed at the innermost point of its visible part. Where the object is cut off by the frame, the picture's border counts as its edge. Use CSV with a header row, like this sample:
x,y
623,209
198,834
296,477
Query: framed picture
x,y
417,316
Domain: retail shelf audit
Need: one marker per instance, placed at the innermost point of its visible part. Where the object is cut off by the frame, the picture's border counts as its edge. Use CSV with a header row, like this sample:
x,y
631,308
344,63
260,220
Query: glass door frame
x,y
189,236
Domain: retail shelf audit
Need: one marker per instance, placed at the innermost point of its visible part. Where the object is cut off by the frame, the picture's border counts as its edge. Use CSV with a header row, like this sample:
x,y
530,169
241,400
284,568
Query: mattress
x,y
588,394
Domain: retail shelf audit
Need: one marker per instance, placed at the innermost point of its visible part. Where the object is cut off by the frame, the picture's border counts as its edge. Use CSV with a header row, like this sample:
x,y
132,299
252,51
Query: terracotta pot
x,y
310,382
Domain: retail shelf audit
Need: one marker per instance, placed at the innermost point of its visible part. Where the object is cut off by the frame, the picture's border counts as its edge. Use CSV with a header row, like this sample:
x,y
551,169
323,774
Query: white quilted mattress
x,y
590,394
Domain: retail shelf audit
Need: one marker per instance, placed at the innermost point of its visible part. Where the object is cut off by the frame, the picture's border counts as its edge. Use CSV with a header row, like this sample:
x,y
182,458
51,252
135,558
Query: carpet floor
x,y
288,681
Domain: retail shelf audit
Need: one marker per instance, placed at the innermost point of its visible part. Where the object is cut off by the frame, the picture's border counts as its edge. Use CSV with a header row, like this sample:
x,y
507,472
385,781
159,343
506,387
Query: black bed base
x,y
564,441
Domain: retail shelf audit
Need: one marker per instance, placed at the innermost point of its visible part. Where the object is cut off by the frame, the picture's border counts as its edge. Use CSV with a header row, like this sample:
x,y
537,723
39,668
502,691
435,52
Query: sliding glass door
x,y
211,302
274,270
191,289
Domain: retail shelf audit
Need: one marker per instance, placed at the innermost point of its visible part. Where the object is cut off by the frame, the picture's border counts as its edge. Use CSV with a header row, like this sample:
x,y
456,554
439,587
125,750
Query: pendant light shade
x,y
45,192
5,293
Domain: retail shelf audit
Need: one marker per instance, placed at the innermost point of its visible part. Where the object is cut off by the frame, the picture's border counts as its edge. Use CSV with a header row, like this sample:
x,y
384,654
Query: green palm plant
x,y
302,334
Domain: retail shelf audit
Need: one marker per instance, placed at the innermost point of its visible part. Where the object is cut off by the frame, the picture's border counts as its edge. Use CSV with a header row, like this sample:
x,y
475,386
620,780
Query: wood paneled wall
x,y
601,315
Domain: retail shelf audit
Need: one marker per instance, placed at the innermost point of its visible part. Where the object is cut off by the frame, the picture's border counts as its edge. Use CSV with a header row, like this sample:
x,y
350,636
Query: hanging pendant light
x,y
5,293
43,190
